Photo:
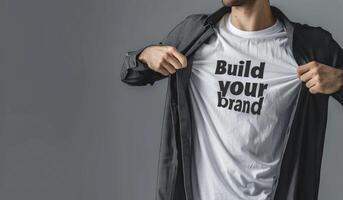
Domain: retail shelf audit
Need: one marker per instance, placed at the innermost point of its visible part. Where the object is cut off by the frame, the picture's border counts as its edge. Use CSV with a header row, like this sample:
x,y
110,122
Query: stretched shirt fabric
x,y
243,90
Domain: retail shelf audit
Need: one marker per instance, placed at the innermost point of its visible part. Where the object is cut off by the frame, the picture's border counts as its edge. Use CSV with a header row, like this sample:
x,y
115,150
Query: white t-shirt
x,y
243,90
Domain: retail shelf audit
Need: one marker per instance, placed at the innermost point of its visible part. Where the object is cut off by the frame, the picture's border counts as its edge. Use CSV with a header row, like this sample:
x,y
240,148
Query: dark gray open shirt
x,y
299,171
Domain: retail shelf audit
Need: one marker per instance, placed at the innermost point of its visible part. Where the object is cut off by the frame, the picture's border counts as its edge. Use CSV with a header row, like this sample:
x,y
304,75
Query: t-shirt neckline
x,y
275,28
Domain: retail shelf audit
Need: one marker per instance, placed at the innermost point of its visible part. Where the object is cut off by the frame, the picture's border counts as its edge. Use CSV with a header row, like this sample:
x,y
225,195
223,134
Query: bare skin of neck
x,y
252,16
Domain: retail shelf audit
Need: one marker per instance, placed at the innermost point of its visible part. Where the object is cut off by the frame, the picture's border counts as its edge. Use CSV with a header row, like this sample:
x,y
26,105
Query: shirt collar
x,y
214,17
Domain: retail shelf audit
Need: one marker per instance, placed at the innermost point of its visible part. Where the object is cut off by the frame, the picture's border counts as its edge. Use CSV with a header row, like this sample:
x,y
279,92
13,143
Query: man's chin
x,y
230,3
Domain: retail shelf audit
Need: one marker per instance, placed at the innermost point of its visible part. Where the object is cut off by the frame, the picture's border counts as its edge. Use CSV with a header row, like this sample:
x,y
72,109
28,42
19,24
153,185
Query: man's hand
x,y
163,59
320,78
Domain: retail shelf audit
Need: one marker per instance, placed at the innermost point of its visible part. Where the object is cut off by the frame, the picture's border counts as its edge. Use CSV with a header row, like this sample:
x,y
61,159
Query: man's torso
x,y
243,91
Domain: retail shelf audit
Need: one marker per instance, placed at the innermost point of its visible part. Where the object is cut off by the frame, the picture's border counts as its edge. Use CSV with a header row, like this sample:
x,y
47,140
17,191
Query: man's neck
x,y
252,16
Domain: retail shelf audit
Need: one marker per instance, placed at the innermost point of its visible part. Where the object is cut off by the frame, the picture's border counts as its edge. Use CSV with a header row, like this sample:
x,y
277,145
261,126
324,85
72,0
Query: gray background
x,y
70,129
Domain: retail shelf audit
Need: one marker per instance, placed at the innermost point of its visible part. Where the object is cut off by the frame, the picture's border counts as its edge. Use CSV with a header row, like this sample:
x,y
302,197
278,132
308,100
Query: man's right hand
x,y
163,59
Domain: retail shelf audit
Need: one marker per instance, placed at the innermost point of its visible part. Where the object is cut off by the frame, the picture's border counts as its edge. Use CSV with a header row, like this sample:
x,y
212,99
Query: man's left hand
x,y
321,78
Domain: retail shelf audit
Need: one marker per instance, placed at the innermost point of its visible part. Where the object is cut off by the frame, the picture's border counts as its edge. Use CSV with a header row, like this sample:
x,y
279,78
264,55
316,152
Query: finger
x,y
306,76
170,68
182,59
314,89
174,61
163,71
303,68
311,83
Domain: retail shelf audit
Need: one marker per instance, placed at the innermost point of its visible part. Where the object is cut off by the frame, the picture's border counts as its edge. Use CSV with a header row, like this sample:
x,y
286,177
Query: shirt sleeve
x,y
136,73
336,60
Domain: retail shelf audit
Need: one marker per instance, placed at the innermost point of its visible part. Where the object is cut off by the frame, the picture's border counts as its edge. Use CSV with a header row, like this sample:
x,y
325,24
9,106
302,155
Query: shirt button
x,y
275,179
